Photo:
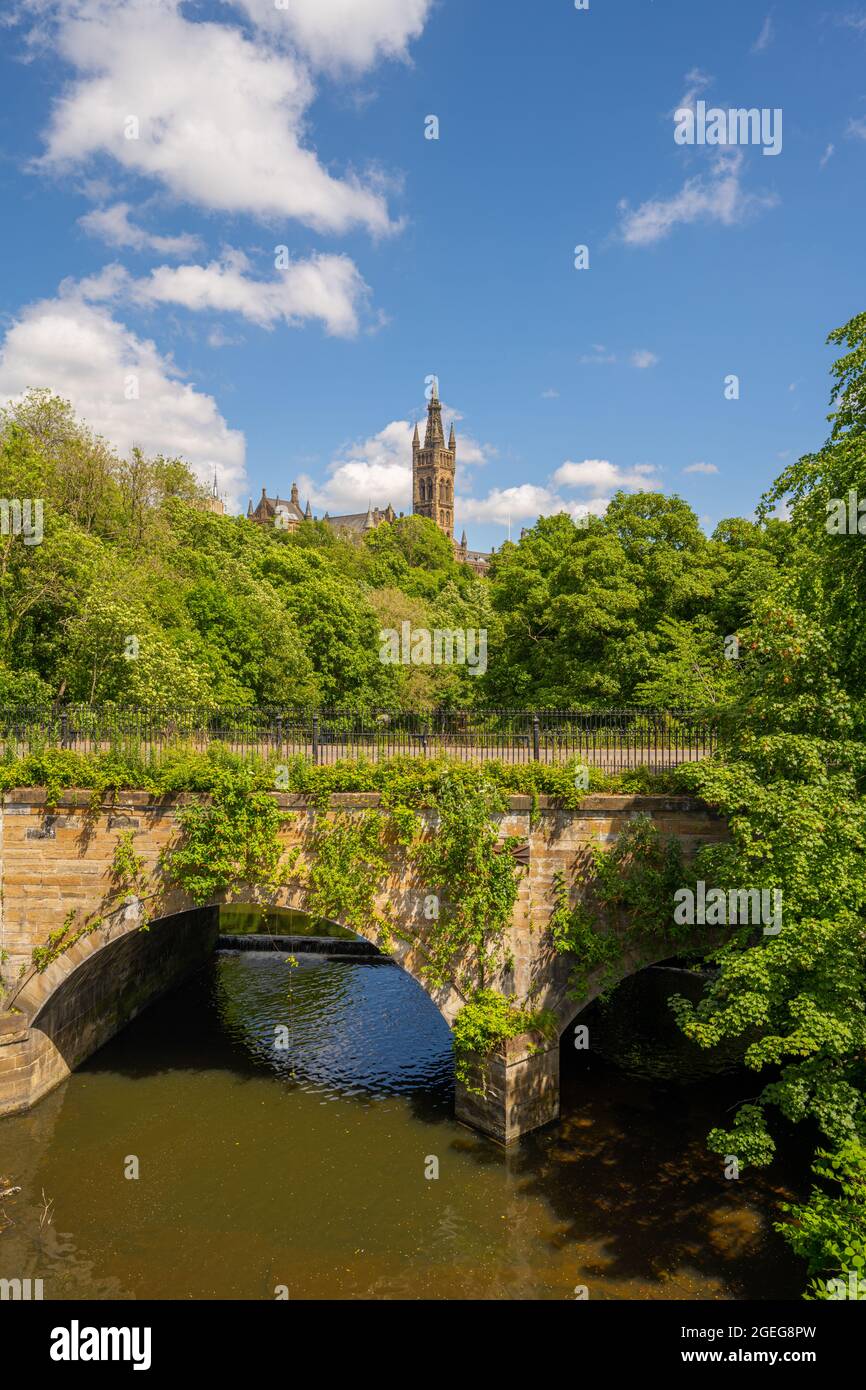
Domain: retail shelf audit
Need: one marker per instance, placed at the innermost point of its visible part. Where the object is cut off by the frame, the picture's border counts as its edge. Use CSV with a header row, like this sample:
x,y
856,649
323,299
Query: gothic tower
x,y
433,468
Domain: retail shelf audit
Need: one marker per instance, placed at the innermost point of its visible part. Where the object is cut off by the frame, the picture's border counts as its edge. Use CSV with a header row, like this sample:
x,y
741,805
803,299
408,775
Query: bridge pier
x,y
512,1091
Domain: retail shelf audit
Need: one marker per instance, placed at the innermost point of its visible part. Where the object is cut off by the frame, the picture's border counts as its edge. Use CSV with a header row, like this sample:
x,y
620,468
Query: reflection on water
x,y
262,1166
634,1028
241,920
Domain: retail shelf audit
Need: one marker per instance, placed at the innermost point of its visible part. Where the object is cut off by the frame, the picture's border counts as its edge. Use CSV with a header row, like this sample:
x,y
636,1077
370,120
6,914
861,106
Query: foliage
x,y
348,866
829,1230
625,894
399,780
474,877
230,842
487,1021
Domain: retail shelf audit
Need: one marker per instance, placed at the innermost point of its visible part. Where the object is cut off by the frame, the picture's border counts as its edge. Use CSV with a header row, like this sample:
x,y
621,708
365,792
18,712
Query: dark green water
x,y
305,1167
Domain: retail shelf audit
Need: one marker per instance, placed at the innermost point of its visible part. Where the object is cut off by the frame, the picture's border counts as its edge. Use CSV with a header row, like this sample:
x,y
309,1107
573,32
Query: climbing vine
x,y
348,867
230,841
625,894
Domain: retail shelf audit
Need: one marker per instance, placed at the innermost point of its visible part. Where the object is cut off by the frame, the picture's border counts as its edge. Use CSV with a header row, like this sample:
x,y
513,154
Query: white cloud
x,y
716,197
527,501
112,225
379,469
857,127
82,353
524,502
765,38
599,475
521,503
701,468
643,358
549,394
827,155
336,33
221,115
696,82
324,287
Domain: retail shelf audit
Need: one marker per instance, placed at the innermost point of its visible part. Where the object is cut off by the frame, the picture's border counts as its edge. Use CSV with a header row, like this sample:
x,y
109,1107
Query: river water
x,y
303,1167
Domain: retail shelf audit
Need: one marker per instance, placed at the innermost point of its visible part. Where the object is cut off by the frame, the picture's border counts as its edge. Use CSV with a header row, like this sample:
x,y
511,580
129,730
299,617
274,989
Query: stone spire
x,y
308,515
435,435
416,438
452,441
369,524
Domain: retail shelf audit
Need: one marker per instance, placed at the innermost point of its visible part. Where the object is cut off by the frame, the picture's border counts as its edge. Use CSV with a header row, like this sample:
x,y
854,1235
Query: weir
x,y
59,858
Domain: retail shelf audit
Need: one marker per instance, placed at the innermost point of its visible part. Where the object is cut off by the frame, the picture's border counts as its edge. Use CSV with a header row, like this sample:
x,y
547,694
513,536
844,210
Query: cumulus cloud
x,y
113,226
701,468
215,115
599,475
524,502
598,478
121,385
328,288
342,33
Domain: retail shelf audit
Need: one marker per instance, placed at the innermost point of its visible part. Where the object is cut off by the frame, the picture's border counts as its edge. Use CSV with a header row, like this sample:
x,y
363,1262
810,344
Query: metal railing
x,y
614,739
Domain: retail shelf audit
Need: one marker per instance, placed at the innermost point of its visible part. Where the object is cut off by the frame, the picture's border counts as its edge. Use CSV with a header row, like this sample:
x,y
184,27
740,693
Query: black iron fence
x,y
615,739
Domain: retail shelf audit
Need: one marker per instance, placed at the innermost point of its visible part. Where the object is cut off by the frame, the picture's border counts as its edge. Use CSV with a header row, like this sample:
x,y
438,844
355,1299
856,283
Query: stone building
x,y
212,503
276,511
434,467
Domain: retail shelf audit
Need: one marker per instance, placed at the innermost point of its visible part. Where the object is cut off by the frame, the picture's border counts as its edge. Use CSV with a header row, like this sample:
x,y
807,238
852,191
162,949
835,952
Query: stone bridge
x,y
56,860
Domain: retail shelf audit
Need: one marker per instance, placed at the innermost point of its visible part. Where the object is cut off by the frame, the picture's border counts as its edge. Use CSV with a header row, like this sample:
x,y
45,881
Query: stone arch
x,y
632,961
90,992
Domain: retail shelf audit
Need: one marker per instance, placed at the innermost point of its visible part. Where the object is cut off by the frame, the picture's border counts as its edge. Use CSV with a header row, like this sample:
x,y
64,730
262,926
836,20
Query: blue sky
x,y
139,260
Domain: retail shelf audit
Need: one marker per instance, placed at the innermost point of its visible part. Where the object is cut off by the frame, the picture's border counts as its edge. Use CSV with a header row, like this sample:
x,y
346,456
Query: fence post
x,y
536,739
315,738
64,730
